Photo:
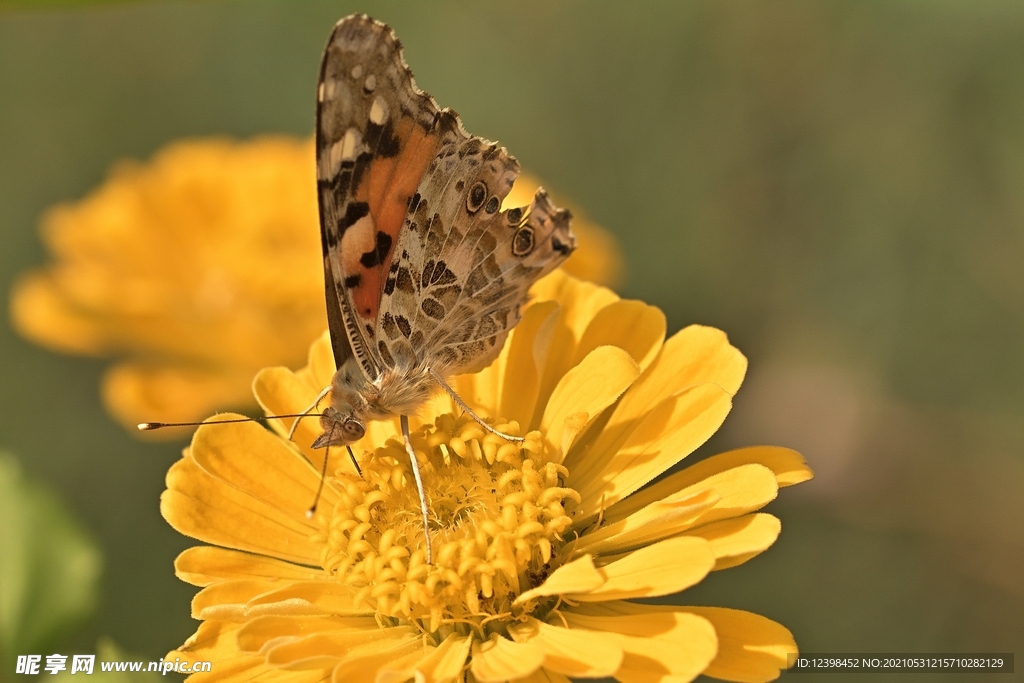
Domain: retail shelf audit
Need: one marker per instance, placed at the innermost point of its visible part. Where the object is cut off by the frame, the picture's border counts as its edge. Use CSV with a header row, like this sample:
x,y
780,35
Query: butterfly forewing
x,y
376,134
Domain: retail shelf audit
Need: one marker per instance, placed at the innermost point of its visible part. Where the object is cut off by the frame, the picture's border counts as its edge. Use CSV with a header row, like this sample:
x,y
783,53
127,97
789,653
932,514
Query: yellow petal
x,y
693,356
573,652
578,576
441,664
212,640
556,346
210,510
203,565
41,312
635,327
524,351
307,598
789,466
325,649
751,648
658,520
743,489
499,659
137,392
542,675
580,300
257,633
280,391
672,429
320,367
271,472
363,664
215,642
734,541
587,389
662,647
226,601
666,567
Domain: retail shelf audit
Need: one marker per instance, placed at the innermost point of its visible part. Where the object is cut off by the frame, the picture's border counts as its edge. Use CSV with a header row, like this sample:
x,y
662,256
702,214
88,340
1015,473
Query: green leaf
x,y
49,567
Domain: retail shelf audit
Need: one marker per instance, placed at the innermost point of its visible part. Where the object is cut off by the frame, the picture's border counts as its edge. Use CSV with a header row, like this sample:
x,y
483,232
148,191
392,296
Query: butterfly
x,y
424,274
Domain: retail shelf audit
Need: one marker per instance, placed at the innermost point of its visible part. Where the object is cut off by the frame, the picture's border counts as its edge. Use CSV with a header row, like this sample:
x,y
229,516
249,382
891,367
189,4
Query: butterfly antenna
x,y
323,476
308,412
153,426
419,486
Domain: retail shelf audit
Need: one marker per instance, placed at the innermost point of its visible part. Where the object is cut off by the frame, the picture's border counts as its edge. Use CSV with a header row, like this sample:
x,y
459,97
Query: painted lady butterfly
x,y
425,275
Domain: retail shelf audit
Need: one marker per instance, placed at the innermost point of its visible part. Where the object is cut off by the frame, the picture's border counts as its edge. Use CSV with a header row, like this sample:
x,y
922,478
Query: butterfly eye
x,y
514,216
354,429
477,196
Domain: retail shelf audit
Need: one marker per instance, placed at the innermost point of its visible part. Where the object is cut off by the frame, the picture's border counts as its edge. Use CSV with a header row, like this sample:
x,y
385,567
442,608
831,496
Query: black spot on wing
x,y
376,257
353,213
403,325
385,353
403,280
522,243
388,325
353,280
361,165
437,274
560,246
433,309
390,145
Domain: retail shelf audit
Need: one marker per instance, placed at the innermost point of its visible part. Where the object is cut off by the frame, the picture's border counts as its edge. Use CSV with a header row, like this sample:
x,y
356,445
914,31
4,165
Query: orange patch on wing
x,y
387,188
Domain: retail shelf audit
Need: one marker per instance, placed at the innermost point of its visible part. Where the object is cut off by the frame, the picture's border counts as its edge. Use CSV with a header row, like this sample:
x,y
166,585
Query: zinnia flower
x,y
539,548
197,269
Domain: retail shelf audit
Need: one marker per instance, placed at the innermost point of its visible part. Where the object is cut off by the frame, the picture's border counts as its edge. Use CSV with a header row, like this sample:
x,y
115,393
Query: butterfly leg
x,y
419,486
311,408
462,404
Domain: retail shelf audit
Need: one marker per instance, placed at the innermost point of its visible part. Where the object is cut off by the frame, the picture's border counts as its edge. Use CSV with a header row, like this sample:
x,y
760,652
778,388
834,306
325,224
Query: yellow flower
x,y
195,270
538,548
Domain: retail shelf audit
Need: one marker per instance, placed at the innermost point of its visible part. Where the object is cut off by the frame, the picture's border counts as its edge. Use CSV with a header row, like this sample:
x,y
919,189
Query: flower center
x,y
497,515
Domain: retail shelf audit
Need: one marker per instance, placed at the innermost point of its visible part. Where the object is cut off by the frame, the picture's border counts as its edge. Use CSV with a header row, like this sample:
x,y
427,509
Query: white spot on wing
x,y
320,92
371,83
357,240
378,112
344,149
357,71
348,144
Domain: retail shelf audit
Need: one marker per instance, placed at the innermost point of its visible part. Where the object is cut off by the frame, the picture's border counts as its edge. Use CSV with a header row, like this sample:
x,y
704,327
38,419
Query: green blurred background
x,y
838,185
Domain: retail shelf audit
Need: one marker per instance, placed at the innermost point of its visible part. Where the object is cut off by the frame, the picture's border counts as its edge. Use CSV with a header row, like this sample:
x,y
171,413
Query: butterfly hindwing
x,y
463,267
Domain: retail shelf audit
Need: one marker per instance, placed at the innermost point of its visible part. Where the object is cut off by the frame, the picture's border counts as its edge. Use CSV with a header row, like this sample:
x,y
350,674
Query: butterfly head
x,y
340,427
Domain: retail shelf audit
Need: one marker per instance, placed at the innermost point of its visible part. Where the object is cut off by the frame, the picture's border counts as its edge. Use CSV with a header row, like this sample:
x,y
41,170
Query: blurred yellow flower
x,y
195,270
538,549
